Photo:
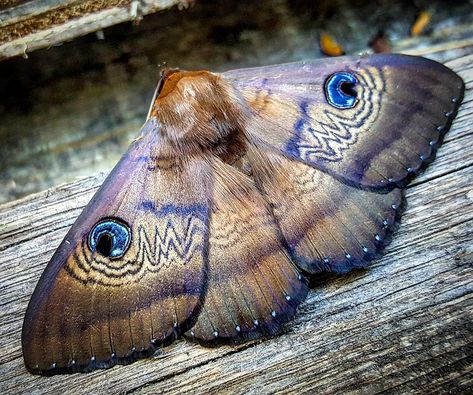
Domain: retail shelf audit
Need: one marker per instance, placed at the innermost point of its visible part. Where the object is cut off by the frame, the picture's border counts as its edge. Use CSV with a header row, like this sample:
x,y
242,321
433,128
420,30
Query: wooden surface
x,y
29,25
405,324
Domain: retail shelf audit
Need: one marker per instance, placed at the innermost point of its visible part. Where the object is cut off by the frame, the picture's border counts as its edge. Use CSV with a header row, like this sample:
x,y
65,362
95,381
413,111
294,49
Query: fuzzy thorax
x,y
198,112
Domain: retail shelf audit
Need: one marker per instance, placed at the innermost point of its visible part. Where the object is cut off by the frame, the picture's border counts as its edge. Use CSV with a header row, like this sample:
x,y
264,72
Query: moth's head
x,y
197,109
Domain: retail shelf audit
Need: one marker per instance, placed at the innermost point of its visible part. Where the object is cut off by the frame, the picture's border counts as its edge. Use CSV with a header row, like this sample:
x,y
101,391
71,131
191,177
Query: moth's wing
x,y
89,311
328,225
253,285
404,106
332,174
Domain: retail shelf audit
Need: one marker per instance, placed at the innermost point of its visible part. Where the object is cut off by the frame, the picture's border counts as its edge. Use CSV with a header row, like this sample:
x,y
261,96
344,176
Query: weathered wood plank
x,y
25,9
44,23
404,324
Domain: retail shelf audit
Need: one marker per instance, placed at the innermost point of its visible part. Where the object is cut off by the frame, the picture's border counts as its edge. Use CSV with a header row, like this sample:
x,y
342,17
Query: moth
x,y
240,186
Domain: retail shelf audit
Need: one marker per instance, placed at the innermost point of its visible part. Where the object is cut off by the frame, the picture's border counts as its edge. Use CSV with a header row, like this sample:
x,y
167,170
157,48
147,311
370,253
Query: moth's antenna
x,y
155,95
166,72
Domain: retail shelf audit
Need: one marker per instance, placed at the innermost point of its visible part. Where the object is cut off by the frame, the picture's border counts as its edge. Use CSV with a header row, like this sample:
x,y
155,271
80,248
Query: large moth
x,y
239,187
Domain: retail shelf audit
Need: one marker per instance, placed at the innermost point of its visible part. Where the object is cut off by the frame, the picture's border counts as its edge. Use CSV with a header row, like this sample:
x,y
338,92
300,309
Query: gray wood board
x,y
405,324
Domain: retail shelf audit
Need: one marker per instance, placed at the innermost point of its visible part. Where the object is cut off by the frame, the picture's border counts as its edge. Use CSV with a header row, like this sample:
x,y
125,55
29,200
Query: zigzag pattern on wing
x,y
324,134
174,244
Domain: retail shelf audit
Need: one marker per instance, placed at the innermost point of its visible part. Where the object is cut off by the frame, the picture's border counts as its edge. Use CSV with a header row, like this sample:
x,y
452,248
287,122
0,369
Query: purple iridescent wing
x,y
130,273
401,107
333,140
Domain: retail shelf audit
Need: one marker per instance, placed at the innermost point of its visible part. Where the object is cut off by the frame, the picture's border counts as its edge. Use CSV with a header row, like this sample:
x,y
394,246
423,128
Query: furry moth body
x,y
240,186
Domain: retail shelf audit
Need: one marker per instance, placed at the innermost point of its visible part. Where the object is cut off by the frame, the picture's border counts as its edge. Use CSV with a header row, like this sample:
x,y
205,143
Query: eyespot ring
x,y
110,237
339,90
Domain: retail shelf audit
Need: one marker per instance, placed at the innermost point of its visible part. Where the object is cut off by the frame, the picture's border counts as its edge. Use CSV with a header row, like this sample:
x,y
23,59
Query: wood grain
x,y
38,24
403,325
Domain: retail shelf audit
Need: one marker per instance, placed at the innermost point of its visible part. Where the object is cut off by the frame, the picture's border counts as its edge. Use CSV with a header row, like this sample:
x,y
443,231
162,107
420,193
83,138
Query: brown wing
x,y
401,107
327,224
331,141
92,310
136,270
253,286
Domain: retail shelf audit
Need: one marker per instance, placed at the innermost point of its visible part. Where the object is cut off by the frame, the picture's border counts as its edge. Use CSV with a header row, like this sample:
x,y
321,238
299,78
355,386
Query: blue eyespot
x,y
110,238
340,90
